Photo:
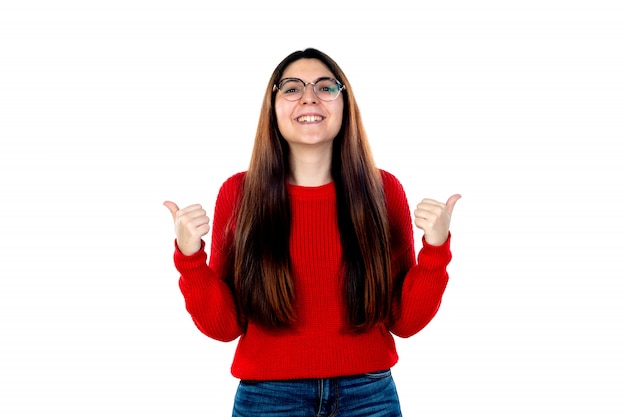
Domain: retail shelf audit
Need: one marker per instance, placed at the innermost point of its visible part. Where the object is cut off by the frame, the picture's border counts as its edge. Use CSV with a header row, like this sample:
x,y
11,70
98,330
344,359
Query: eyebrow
x,y
326,77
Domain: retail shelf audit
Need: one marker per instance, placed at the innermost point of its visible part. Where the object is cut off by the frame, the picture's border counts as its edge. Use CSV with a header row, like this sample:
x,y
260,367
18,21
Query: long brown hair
x,y
259,263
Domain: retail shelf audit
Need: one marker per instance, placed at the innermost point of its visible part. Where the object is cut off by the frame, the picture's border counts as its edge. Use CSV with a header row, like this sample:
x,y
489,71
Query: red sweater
x,y
315,347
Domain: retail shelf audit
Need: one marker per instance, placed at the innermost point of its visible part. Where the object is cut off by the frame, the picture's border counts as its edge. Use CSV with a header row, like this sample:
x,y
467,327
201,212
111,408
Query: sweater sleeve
x,y
208,298
419,282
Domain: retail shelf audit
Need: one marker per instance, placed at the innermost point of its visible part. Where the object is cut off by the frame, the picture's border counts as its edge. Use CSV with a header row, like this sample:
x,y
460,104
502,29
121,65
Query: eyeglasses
x,y
326,89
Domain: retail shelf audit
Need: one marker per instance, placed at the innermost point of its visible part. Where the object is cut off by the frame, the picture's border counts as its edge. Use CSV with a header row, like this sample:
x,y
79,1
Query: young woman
x,y
312,262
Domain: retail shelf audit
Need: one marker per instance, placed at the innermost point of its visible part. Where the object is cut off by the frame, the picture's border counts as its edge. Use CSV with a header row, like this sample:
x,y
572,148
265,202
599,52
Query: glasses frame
x,y
314,84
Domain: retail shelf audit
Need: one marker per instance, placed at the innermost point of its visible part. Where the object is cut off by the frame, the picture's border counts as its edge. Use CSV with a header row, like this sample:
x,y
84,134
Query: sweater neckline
x,y
325,190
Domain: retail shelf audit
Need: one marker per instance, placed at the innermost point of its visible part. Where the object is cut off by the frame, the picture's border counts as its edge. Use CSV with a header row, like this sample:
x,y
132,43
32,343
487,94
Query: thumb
x,y
173,208
451,202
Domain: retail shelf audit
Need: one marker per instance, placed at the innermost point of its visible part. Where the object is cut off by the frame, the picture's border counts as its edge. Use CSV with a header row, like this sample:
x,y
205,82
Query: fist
x,y
434,218
190,224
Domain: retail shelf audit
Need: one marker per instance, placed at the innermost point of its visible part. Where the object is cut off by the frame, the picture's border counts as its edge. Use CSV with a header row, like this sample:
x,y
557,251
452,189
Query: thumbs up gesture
x,y
190,224
434,218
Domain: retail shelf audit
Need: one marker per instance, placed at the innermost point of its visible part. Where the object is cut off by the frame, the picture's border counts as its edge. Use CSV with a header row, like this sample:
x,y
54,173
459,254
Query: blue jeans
x,y
367,395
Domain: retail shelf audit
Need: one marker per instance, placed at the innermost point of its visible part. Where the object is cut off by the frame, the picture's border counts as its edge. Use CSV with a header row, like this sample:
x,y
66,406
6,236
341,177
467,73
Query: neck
x,y
310,167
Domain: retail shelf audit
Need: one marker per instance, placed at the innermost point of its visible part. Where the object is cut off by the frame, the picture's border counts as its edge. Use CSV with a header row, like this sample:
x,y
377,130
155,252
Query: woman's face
x,y
308,121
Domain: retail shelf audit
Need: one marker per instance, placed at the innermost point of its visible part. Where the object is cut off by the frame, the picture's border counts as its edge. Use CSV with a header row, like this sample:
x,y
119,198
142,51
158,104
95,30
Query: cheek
x,y
284,108
283,114
338,115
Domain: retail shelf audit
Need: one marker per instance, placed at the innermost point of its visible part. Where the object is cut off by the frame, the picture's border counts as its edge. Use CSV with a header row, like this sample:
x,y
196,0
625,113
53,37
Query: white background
x,y
107,108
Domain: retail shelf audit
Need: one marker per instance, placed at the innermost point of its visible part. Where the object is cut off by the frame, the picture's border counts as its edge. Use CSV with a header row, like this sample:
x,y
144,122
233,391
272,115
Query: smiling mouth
x,y
309,119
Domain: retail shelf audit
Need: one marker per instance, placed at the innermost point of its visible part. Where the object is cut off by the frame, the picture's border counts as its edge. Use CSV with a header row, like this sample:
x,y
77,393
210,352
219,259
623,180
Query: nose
x,y
308,94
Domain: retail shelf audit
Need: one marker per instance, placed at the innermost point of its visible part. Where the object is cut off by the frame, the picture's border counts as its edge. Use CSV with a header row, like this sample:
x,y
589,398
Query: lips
x,y
308,118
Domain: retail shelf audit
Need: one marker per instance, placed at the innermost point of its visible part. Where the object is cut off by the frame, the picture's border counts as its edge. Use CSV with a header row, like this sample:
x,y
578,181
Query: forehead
x,y
307,69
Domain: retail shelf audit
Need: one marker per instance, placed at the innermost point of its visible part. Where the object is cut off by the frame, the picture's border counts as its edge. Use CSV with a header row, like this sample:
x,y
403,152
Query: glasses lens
x,y
327,89
291,89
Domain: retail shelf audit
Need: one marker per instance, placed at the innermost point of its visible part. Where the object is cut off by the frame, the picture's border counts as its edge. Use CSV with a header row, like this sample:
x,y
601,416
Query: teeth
x,y
309,119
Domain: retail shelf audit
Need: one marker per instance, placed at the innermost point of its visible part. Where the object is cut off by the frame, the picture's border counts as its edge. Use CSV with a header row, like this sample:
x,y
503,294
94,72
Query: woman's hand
x,y
190,224
434,217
